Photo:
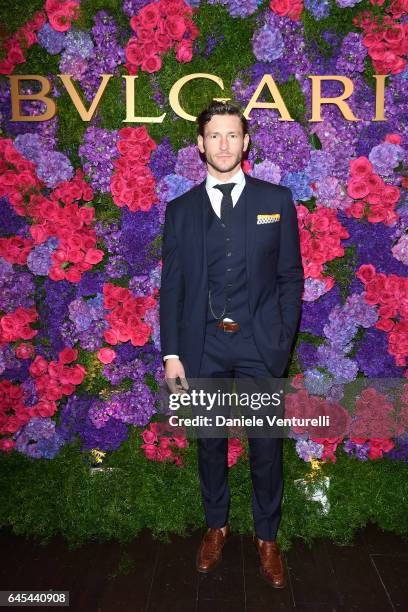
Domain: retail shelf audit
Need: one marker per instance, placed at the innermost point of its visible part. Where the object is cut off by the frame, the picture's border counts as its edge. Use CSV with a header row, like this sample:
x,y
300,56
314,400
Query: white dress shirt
x,y
215,196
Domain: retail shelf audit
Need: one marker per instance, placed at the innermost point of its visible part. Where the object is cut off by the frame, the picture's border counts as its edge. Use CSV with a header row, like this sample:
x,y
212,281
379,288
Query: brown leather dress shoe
x,y
209,554
271,568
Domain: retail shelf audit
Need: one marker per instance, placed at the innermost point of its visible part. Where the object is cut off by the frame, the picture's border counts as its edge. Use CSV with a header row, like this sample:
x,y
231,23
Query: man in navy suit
x,y
230,302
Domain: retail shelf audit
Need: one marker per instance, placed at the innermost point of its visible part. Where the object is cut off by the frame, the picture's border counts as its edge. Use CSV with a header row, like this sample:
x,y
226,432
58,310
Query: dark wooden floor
x,y
148,576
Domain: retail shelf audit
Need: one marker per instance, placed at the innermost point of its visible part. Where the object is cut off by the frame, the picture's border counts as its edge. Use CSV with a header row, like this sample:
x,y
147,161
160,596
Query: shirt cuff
x,y
170,356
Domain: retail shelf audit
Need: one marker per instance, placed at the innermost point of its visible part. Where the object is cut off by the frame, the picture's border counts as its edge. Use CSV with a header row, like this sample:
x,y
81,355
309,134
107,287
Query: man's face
x,y
223,143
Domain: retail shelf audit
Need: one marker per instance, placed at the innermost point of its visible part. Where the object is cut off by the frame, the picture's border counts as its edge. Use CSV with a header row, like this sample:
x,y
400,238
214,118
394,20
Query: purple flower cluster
x,y
352,55
16,287
39,439
339,331
267,43
357,450
98,152
75,422
107,53
52,167
319,8
133,407
385,157
285,144
189,164
88,317
163,159
39,260
51,40
299,184
308,450
266,171
237,8
78,48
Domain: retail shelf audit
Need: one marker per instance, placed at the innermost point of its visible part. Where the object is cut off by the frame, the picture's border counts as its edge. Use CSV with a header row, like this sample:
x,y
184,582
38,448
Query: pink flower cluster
x,y
235,450
391,294
57,378
374,199
159,27
302,405
133,183
16,249
287,8
16,325
126,319
22,40
329,447
320,234
18,179
13,413
386,40
76,252
160,440
61,14
373,417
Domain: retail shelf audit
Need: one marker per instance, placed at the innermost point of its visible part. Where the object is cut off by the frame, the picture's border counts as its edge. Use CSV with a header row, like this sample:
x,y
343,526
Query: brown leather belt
x,y
229,326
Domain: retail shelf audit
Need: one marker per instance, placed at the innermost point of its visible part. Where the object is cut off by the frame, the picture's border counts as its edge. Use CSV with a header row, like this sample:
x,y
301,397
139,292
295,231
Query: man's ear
x,y
246,142
200,143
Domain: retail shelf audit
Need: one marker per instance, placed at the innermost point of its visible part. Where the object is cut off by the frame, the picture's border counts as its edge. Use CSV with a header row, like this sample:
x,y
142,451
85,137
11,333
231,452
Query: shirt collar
x,y
238,178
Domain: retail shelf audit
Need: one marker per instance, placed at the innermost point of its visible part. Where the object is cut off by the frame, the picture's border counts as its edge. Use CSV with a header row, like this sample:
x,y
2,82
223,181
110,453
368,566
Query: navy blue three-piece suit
x,y
253,272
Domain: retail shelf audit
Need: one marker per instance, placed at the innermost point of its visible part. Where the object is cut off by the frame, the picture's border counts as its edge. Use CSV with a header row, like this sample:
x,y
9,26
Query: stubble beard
x,y
227,169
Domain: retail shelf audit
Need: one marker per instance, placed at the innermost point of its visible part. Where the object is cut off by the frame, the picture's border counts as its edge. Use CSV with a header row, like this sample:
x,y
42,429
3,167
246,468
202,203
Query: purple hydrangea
x,y
308,450
266,171
385,157
51,40
319,8
189,164
267,43
352,55
98,152
39,439
237,8
39,260
54,168
299,184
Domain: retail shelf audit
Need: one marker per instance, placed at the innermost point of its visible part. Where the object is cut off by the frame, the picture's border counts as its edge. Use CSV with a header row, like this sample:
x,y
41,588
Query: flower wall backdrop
x,y
82,205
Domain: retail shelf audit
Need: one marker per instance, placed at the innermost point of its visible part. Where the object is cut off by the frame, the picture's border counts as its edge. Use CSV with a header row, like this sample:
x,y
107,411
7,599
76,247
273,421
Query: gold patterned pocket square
x,y
261,219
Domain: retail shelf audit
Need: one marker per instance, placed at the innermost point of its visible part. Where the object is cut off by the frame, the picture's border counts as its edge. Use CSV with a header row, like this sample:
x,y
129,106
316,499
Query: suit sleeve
x,y
171,289
290,273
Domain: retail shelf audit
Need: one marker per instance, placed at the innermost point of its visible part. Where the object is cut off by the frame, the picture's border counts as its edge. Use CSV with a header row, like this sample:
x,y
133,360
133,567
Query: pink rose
x,y
106,355
175,27
366,273
67,355
360,167
149,436
134,52
152,63
357,188
149,15
184,51
25,350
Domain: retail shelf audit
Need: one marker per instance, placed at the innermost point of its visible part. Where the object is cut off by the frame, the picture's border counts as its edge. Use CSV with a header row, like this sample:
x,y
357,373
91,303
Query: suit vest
x,y
226,263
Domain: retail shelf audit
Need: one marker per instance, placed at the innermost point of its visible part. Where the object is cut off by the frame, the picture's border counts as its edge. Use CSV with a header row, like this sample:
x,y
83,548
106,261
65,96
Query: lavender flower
x,y
385,157
319,8
267,44
189,164
266,171
51,40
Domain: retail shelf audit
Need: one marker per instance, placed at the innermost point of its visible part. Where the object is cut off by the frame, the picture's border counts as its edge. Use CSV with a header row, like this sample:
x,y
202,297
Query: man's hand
x,y
173,369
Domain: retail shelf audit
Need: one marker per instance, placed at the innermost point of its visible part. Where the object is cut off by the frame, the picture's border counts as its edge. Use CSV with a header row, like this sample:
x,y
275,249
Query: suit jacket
x,y
274,273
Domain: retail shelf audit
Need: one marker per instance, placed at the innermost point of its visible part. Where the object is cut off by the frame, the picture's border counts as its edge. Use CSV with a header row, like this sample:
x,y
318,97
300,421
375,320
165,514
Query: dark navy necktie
x,y
226,202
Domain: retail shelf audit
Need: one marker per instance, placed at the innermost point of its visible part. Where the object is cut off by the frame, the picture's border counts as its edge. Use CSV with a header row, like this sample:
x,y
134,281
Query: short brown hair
x,y
220,108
